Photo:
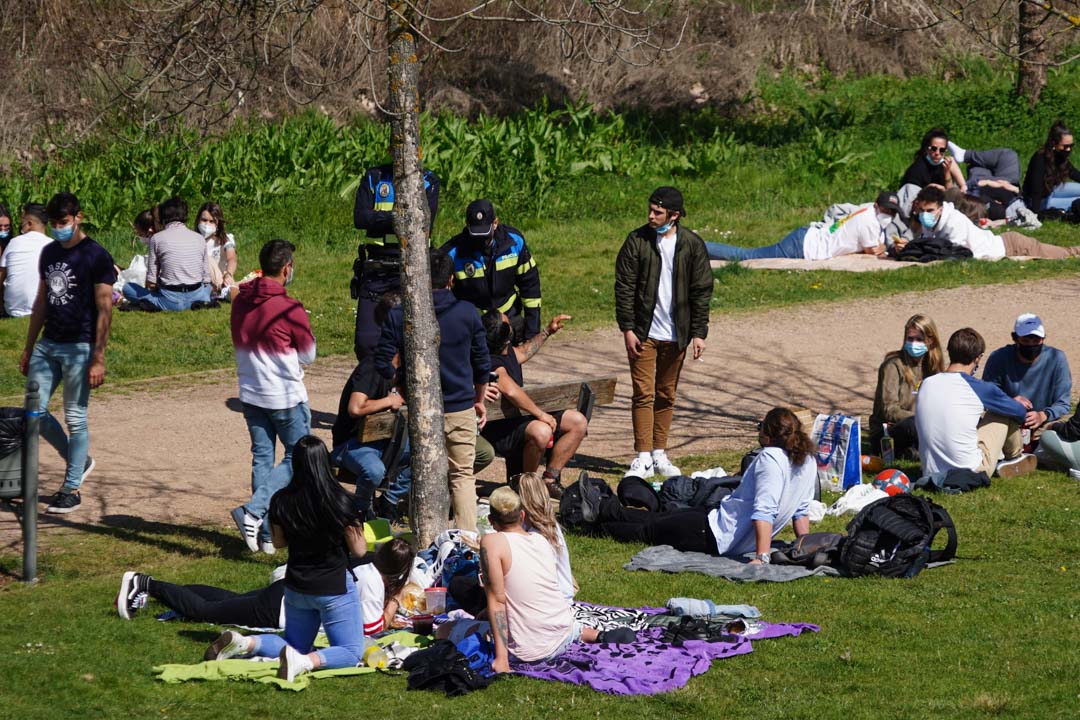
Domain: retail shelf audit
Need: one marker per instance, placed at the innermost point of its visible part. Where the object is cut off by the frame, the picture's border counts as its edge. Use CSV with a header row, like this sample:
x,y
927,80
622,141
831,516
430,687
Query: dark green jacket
x,y
637,277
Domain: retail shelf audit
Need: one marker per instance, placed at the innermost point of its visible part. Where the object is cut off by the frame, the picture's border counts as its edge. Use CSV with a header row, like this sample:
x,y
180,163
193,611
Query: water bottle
x,y
887,453
374,656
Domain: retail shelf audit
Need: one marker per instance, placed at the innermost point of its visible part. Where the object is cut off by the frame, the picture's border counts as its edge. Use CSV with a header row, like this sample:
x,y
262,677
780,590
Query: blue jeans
x,y
266,427
790,247
341,619
167,299
1062,196
50,363
365,461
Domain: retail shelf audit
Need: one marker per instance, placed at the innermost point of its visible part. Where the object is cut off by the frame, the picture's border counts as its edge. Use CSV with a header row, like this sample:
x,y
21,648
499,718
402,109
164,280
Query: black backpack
x,y
892,536
570,515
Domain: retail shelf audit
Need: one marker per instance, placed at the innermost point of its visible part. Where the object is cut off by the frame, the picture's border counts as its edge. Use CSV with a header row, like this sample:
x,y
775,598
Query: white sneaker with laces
x,y
267,547
248,525
665,467
229,644
640,468
1017,466
292,663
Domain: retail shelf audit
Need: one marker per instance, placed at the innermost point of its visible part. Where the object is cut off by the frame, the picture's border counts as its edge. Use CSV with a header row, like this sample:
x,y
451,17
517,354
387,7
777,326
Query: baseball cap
x,y
668,198
887,200
479,217
1029,324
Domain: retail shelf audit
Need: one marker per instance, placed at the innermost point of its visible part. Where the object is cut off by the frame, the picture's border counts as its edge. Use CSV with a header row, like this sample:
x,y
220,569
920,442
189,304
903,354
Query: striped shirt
x,y
177,256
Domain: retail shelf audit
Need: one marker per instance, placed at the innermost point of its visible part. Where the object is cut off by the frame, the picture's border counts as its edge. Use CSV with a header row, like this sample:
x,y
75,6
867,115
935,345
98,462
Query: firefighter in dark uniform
x,y
494,270
377,268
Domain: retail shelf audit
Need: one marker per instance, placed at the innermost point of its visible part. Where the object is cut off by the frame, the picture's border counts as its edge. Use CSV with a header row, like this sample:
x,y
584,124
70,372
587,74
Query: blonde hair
x,y
505,506
536,502
933,361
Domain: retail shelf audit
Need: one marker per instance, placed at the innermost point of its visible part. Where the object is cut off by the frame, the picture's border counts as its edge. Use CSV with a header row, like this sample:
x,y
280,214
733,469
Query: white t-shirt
x,y
663,327
846,236
369,584
217,252
21,261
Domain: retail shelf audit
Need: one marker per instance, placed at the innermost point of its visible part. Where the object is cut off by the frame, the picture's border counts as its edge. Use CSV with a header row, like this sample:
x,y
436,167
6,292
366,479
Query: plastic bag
x,y
135,272
11,430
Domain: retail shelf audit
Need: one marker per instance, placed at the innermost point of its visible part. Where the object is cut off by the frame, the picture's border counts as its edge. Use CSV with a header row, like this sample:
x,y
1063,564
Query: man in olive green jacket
x,y
663,284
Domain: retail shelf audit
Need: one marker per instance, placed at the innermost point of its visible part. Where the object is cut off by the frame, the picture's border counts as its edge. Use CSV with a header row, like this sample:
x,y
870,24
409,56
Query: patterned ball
x,y
893,482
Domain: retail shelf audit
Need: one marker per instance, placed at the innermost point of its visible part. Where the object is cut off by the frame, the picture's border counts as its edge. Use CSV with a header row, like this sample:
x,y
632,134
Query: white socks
x,y
957,151
647,457
658,456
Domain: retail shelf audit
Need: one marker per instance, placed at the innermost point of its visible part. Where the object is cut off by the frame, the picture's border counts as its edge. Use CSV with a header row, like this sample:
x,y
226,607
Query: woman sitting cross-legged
x,y
776,488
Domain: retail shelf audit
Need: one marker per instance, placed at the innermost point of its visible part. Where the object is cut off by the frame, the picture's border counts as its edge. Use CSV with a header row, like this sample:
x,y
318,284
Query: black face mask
x,y
1029,352
1062,155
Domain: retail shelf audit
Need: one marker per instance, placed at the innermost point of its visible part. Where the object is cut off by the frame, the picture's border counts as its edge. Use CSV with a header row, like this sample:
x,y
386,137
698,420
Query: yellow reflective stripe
x,y
505,262
384,206
530,302
522,269
462,275
508,304
381,241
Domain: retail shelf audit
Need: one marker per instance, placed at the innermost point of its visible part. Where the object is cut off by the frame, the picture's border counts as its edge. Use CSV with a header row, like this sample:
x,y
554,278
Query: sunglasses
x,y
1066,147
935,150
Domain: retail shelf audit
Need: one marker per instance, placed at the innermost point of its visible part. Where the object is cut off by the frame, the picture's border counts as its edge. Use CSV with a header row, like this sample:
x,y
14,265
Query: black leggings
x,y
204,603
682,529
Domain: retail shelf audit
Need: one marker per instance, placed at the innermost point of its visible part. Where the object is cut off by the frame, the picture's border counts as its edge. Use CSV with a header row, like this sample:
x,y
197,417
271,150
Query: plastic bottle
x,y
887,453
374,656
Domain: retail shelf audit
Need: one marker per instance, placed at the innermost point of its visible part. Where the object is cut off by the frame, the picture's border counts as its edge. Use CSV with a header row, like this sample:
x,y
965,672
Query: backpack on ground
x,y
892,536
570,505
812,550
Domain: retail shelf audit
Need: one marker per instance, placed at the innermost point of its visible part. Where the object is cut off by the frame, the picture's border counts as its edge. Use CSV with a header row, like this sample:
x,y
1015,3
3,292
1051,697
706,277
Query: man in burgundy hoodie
x,y
272,339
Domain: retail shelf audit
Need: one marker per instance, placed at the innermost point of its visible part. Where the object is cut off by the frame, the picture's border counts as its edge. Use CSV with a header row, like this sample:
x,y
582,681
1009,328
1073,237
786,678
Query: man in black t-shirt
x,y
73,315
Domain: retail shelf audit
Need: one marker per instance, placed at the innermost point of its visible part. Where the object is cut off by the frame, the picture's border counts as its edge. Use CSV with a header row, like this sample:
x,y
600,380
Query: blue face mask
x,y
63,234
927,219
5,234
915,349
930,158
663,229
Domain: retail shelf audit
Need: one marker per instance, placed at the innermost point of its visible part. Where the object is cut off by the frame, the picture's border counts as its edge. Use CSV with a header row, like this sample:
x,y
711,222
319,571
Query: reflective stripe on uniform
x,y
508,304
478,272
382,241
530,302
505,261
526,267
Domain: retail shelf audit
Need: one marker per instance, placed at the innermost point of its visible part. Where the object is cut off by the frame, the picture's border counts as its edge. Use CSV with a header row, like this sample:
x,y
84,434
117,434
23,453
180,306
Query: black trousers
x,y
204,603
682,529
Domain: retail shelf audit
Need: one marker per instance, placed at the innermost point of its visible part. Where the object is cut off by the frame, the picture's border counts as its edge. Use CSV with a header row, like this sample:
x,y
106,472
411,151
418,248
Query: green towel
x,y
263,671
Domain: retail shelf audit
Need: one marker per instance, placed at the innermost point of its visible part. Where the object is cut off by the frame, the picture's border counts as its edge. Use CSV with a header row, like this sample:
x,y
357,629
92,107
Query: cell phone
x,y
493,377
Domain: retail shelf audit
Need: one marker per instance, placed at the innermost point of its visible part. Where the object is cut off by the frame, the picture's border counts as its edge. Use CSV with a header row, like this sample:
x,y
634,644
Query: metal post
x,y
31,431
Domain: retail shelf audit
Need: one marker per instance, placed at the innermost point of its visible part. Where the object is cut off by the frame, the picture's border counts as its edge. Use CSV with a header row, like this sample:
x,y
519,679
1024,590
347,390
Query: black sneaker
x,y
88,468
64,502
134,592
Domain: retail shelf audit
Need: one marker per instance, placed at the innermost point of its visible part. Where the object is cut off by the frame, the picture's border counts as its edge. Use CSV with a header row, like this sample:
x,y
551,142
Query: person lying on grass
x,y
776,488
862,231
378,584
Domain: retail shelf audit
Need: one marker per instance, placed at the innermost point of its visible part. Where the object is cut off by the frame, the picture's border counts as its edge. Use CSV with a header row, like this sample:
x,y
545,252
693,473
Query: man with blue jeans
x,y
271,339
73,315
177,266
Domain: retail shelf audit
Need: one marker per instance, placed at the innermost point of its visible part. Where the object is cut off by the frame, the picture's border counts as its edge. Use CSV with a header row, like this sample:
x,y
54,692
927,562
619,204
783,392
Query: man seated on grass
x,y
177,266
528,436
530,618
965,423
19,276
1032,373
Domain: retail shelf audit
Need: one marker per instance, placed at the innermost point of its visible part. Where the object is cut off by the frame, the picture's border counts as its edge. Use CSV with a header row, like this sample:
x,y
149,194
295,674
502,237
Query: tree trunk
x,y
429,495
1031,69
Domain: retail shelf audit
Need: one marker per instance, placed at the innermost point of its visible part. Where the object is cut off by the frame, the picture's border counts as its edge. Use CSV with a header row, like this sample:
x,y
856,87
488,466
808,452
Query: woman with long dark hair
x,y
776,488
932,164
1051,181
220,248
317,520
899,377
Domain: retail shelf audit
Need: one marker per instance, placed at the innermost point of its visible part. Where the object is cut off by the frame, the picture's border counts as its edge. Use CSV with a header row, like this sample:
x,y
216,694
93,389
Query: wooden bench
x,y
553,397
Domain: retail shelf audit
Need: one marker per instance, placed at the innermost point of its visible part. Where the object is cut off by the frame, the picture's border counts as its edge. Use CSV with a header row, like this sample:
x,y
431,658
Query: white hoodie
x,y
958,229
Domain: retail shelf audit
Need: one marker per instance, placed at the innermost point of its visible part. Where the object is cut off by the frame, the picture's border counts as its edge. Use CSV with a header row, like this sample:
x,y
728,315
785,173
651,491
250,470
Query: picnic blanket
x,y
648,666
667,559
845,263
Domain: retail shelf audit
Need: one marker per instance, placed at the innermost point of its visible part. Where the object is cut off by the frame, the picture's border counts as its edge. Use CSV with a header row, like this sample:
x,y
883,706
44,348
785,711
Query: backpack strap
x,y
889,520
943,521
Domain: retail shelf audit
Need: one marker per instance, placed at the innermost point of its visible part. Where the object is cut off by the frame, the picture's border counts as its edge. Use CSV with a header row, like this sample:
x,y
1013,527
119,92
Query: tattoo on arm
x,y
531,346
498,621
484,574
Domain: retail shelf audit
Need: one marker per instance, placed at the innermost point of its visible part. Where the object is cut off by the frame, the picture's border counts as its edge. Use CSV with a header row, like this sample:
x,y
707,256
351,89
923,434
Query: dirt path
x,y
177,452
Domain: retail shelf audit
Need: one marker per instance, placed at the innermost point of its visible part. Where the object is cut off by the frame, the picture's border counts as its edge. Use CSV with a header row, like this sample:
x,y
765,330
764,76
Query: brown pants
x,y
1018,245
460,430
998,435
655,375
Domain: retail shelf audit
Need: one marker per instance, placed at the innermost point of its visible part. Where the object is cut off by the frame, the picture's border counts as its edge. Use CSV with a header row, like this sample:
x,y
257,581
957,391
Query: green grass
x,y
996,634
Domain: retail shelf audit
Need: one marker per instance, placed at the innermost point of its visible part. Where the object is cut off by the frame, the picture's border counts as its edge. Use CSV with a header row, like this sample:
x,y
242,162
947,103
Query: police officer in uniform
x,y
494,270
377,268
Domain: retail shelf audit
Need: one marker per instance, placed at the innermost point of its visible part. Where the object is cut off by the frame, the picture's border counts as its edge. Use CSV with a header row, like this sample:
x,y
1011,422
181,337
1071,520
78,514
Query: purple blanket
x,y
648,666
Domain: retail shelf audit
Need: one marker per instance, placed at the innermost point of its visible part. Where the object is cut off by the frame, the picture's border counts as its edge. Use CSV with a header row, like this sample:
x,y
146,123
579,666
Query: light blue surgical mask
x,y
63,234
663,229
915,349
927,219
935,161
289,277
5,234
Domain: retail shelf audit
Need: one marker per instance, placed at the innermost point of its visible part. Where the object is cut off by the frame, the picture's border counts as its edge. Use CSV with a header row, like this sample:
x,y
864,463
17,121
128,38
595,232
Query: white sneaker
x,y
640,469
229,644
664,467
1074,474
267,547
292,663
248,525
1016,466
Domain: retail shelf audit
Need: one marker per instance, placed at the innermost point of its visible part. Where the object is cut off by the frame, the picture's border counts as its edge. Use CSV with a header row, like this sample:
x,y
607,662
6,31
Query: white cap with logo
x,y
1029,324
